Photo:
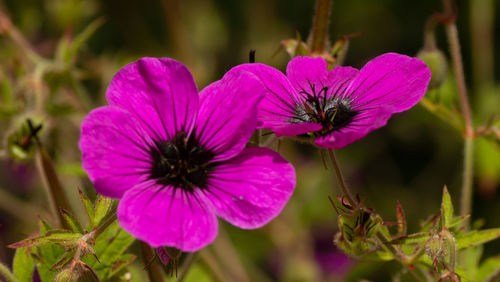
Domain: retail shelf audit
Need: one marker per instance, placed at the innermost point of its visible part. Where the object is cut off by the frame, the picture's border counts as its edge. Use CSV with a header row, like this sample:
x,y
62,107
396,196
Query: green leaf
x,y
30,242
471,258
23,265
446,208
475,238
489,269
102,206
72,221
89,208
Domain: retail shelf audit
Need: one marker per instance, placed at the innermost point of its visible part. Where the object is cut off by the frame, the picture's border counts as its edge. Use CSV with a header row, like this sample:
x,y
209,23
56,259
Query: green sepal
x,y
102,207
446,209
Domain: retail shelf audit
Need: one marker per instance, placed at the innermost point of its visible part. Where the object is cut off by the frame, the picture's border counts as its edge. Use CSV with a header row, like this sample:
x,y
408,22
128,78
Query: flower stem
x,y
340,178
454,44
5,273
468,171
319,33
55,191
188,262
154,271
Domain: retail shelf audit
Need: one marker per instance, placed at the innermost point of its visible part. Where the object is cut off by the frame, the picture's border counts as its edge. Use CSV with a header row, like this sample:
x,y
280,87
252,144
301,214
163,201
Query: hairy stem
x,y
188,262
6,274
454,44
155,273
319,33
55,191
468,172
340,178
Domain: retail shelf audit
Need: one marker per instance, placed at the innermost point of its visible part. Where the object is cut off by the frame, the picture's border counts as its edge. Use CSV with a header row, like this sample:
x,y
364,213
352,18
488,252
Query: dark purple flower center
x,y
333,112
181,162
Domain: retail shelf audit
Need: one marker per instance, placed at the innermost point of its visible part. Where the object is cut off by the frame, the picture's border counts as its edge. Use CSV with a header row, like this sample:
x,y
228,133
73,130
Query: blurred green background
x,y
408,160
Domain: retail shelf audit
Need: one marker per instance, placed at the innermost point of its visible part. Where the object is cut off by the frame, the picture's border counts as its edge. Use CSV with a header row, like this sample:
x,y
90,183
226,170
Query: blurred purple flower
x,y
176,158
341,106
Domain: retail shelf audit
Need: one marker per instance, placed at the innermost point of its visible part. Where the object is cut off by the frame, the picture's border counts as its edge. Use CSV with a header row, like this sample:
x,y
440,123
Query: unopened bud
x,y
436,248
436,61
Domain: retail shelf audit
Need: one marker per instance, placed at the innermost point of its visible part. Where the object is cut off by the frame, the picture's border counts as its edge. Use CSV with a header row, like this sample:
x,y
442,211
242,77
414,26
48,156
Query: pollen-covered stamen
x,y
332,113
181,162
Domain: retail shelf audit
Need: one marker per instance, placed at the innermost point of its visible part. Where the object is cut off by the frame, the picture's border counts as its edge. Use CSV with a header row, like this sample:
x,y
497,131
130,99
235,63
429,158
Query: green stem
x,y
208,258
319,32
454,44
467,188
188,262
340,178
55,191
5,272
155,273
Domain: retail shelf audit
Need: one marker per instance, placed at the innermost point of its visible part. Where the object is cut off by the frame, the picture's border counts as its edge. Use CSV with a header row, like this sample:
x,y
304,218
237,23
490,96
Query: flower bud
x,y
436,248
21,140
436,61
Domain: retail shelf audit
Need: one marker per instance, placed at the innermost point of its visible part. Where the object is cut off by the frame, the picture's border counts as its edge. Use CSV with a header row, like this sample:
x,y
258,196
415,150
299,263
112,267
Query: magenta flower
x,y
338,107
177,159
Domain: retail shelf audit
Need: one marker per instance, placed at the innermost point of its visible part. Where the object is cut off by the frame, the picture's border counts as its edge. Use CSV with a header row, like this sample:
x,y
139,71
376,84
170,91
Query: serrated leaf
x,y
23,265
401,219
475,238
102,206
89,208
72,221
446,208
489,269
412,238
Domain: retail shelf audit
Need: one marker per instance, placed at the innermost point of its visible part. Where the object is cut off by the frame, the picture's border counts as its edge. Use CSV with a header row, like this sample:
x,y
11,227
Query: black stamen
x,y
332,113
181,162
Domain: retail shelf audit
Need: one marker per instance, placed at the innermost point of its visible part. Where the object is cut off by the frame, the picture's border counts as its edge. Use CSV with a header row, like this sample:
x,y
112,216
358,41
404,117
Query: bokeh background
x,y
408,160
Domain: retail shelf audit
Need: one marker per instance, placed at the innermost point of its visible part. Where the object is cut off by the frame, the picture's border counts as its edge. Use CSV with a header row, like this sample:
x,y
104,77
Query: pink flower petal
x,y
167,216
280,102
294,129
391,79
228,113
159,92
114,150
339,80
306,72
251,189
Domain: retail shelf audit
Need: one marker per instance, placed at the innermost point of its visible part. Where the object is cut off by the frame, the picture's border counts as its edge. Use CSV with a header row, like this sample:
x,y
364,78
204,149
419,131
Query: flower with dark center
x,y
335,108
176,159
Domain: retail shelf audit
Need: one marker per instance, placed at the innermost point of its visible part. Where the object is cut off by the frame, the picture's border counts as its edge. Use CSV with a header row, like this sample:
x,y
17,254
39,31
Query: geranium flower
x,y
177,159
338,107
